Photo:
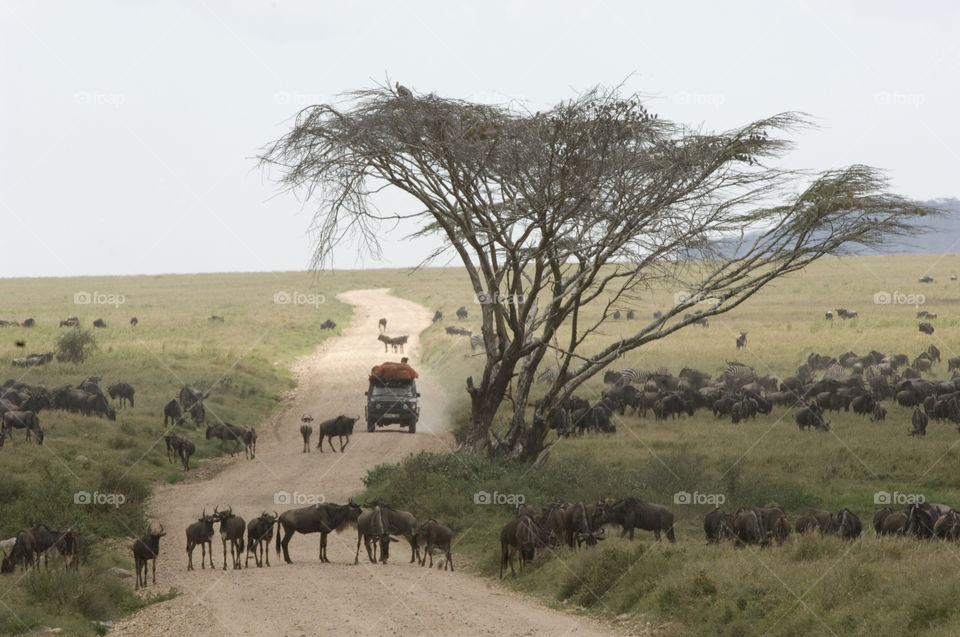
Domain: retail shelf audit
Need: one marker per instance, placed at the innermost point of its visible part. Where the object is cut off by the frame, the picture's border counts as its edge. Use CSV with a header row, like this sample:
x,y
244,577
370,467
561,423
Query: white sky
x,y
128,129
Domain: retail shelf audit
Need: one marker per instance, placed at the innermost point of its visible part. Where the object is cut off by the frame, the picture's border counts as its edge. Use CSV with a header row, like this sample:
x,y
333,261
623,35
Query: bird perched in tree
x,y
403,91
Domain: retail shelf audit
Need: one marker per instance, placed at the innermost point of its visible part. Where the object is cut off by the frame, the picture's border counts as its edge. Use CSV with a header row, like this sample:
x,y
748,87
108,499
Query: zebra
x,y
630,376
738,373
475,341
549,375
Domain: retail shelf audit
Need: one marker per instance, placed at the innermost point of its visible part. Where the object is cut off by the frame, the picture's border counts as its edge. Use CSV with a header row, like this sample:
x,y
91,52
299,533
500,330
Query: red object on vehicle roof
x,y
393,371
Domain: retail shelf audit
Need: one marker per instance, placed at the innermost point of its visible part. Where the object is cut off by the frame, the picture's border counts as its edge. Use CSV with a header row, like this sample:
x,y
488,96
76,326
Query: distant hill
x,y
942,235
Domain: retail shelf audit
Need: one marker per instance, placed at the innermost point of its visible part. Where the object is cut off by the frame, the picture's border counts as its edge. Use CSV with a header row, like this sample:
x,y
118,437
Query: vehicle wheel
x,y
413,426
370,426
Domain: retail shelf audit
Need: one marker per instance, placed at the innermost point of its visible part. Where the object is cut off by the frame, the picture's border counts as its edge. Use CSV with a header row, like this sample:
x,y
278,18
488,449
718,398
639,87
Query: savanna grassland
x,y
808,586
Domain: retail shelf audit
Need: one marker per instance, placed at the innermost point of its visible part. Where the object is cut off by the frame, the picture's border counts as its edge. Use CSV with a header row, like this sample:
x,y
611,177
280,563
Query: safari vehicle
x,y
392,397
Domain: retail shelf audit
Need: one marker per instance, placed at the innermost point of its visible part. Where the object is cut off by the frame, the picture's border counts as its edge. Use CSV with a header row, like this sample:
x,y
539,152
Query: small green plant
x,y
73,346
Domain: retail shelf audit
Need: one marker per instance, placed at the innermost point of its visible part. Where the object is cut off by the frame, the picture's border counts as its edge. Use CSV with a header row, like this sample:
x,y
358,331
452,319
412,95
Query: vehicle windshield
x,y
384,390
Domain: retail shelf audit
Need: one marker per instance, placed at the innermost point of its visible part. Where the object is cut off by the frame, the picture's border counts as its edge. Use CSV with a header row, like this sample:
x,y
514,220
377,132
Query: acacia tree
x,y
589,202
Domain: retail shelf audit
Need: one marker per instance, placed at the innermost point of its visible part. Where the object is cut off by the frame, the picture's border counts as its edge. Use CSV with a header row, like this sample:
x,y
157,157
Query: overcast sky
x,y
128,129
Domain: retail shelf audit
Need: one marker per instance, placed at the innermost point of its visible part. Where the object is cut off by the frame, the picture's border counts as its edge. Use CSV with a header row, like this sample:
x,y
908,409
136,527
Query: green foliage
x,y
74,345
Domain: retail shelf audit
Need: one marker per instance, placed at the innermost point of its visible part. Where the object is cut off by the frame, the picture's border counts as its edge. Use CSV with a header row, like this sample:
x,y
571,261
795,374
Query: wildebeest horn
x,y
216,510
229,510
276,516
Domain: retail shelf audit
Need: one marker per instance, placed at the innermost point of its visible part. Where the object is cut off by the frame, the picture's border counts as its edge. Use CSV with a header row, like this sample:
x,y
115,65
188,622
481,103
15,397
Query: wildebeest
x,y
323,518
30,322
919,421
947,526
134,321
742,340
894,524
583,525
189,395
926,328
748,528
453,330
71,321
433,534
926,279
630,315
879,517
328,325
185,450
306,430
341,426
23,553
201,532
216,317
198,413
848,525
437,316
26,420
66,542
232,528
382,325
718,525
631,513
394,342
123,391
523,534
818,520
400,523
99,323
828,315
811,416
462,313
227,432
373,530
774,523
172,413
259,534
145,550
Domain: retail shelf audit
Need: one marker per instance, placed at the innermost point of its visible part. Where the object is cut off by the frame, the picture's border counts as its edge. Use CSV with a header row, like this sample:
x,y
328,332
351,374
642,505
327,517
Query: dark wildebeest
x,y
462,313
215,317
947,526
921,516
306,430
259,534
190,395
227,432
919,421
341,426
327,325
818,520
742,340
524,535
402,523
437,316
748,528
46,539
554,521
22,420
774,523
250,443
30,322
879,413
185,449
382,324
99,323
879,517
71,321
199,413
432,534
24,552
811,416
134,321
201,532
583,525
123,391
145,550
926,328
373,529
232,528
848,525
631,513
894,524
718,525
321,518
394,342
172,413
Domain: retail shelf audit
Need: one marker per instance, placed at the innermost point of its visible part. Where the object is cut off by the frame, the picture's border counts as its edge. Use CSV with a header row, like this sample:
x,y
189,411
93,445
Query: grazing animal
x,y
926,279
341,426
748,528
216,317
523,534
437,316
383,325
462,313
172,413
198,413
919,421
324,518
828,316
631,513
145,550
259,534
26,420
30,322
818,520
306,430
23,553
188,396
134,321
227,432
630,315
433,534
201,532
894,524
947,526
232,528
811,416
99,323
926,328
373,529
394,342
327,325
185,450
123,391
71,321
718,525
879,517
848,525
742,340
583,525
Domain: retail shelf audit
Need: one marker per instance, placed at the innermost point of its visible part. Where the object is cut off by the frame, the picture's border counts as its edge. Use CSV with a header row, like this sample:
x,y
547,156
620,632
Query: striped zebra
x,y
549,375
631,376
738,373
475,341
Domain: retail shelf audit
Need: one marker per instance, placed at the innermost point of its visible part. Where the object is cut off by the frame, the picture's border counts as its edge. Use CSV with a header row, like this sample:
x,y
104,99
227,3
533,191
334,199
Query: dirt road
x,y
306,597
